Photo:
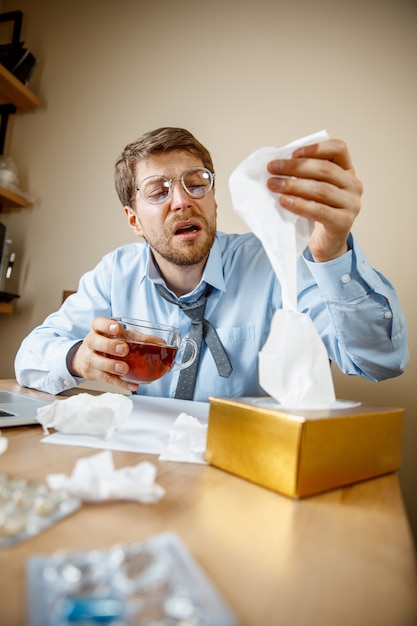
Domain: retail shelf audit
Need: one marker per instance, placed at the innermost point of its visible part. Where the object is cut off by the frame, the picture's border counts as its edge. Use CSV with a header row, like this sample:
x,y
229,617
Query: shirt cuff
x,y
61,378
347,277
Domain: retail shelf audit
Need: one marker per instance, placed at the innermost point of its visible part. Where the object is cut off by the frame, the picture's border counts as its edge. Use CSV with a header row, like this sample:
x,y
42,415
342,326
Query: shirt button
x,y
345,278
388,315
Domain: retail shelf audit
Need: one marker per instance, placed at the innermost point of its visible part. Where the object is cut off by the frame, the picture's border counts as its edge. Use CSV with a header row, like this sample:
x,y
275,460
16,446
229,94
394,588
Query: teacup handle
x,y
189,345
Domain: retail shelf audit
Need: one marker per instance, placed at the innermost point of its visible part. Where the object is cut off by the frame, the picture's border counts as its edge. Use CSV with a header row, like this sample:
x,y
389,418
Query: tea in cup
x,y
153,349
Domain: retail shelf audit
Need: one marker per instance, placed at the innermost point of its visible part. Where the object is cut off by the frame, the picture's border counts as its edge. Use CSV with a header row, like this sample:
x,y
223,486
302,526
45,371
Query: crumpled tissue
x,y
293,364
4,442
187,441
86,414
95,479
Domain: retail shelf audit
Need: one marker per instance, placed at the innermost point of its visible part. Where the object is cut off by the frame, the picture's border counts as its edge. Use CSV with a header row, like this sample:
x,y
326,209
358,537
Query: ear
x,y
133,221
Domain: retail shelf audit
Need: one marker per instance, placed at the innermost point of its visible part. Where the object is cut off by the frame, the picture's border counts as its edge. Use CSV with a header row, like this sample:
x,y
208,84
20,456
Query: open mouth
x,y
185,229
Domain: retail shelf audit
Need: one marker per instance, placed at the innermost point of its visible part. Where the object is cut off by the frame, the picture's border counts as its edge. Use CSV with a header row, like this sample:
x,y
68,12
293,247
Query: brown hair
x,y
160,140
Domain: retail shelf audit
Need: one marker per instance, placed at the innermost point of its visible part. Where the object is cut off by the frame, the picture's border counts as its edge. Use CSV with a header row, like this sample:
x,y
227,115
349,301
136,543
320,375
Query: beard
x,y
182,253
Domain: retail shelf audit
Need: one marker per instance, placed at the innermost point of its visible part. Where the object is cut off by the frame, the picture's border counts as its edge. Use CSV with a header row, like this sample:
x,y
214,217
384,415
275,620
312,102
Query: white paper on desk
x,y
146,430
293,365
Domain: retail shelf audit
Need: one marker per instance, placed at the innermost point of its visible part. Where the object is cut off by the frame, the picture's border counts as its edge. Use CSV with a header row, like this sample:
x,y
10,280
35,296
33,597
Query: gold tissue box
x,y
302,452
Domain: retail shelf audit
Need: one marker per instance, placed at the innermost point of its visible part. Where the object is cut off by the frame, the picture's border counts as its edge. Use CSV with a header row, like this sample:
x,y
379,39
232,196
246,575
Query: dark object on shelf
x,y
5,111
17,59
7,259
5,296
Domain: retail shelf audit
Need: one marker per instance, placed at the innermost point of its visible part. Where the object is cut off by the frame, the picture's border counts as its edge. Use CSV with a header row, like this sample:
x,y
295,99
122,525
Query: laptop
x,y
17,410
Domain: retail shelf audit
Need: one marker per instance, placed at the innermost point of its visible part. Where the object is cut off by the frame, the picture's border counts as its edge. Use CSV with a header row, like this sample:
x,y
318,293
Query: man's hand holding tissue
x,y
319,183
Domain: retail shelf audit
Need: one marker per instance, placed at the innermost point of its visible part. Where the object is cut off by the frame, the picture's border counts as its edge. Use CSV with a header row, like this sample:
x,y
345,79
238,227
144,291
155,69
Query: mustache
x,y
185,217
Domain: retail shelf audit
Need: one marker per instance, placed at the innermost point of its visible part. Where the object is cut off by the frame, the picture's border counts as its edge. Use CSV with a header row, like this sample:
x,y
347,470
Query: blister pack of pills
x,y
151,583
27,509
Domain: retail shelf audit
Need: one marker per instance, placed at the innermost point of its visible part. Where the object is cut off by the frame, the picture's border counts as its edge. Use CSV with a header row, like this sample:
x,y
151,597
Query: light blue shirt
x,y
354,308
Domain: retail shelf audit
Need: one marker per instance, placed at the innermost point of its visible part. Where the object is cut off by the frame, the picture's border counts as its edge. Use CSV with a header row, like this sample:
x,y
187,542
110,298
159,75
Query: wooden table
x,y
345,557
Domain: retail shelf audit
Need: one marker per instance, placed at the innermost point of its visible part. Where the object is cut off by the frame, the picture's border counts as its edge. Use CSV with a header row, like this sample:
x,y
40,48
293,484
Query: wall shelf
x,y
6,307
10,199
12,91
15,97
14,94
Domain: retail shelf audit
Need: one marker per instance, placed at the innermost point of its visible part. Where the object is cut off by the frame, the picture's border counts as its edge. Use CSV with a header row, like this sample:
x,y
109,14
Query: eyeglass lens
x,y
197,182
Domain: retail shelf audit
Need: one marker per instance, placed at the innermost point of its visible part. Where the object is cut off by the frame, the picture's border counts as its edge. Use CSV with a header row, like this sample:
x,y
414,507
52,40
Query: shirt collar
x,y
213,271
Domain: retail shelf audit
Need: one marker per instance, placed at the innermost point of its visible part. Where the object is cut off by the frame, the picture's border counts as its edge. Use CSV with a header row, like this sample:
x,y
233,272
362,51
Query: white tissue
x,y
95,479
293,364
86,414
299,375
4,442
284,236
187,441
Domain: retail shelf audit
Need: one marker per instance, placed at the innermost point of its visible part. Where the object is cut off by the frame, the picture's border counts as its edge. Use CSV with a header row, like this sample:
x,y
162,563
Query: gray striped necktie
x,y
200,328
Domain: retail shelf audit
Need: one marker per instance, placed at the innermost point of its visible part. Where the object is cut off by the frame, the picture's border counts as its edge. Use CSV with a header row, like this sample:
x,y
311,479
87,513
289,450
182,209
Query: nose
x,y
179,198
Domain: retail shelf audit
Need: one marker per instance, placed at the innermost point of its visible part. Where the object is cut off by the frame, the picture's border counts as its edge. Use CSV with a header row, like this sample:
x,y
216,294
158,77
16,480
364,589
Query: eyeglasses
x,y
196,182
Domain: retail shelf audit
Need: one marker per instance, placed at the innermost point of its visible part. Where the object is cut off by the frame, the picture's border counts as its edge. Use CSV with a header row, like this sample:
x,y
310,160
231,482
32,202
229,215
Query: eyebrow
x,y
190,167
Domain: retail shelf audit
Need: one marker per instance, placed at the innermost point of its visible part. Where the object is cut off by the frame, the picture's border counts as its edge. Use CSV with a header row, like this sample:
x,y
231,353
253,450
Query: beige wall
x,y
240,76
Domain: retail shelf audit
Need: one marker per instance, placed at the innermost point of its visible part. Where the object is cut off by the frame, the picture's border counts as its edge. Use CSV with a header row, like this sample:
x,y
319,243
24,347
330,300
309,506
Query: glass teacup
x,y
153,349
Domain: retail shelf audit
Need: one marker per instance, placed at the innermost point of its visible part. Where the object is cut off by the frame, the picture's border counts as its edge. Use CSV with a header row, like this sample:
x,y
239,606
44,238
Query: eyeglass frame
x,y
170,182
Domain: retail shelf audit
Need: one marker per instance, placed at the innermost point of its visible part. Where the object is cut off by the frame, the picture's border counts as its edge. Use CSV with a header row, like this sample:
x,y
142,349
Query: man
x,y
165,181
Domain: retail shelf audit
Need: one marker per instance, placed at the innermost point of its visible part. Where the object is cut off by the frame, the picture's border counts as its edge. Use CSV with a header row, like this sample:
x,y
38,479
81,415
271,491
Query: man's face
x,y
182,229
